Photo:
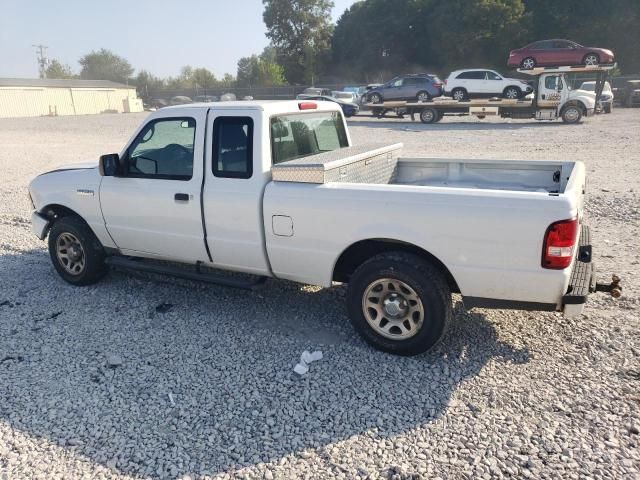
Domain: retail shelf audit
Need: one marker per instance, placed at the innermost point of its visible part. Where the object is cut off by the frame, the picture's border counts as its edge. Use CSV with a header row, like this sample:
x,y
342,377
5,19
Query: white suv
x,y
463,84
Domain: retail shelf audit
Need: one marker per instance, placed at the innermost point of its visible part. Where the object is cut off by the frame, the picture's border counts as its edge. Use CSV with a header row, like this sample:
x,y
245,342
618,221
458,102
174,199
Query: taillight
x,y
307,106
559,244
438,85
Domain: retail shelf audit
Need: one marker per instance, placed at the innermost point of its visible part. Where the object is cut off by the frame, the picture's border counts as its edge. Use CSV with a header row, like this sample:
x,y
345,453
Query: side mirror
x,y
109,165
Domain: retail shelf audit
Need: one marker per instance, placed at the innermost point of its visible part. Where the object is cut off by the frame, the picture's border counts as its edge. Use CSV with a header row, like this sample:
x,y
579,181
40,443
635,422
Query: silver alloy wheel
x,y
70,253
511,93
572,114
528,63
393,309
458,95
591,59
423,96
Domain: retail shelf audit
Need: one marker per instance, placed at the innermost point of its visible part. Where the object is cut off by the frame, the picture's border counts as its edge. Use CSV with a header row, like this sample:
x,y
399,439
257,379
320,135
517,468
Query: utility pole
x,y
43,61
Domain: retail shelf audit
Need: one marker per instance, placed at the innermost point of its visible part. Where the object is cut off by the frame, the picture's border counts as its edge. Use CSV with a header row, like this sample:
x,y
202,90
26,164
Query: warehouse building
x,y
22,97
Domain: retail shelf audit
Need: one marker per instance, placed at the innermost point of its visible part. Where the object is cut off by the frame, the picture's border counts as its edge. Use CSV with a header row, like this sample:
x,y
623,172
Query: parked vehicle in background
x,y
350,97
228,97
629,94
159,103
206,98
180,100
478,82
349,109
606,97
557,52
420,87
358,91
316,91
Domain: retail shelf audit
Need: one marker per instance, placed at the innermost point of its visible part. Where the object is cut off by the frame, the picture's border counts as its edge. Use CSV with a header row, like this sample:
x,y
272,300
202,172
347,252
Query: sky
x,y
160,36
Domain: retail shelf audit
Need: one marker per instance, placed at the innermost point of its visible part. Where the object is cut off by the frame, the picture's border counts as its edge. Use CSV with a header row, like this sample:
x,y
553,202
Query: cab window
x,y
163,150
233,147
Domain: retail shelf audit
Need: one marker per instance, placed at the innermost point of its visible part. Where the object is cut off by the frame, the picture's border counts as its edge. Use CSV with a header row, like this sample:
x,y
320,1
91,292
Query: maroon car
x,y
557,53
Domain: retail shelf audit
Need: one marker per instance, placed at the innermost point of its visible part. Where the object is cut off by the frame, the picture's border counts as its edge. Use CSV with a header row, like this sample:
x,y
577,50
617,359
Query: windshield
x,y
299,135
588,86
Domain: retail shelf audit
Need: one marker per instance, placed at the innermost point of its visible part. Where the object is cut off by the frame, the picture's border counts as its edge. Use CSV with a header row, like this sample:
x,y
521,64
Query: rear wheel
x,y
572,114
591,59
399,303
429,115
76,253
423,96
512,93
459,94
528,63
375,98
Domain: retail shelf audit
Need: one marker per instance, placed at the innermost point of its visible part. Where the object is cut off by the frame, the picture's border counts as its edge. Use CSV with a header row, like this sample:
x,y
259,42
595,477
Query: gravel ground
x,y
148,377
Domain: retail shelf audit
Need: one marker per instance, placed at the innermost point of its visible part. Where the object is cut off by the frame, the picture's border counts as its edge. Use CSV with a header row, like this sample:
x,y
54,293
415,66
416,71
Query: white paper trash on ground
x,y
305,359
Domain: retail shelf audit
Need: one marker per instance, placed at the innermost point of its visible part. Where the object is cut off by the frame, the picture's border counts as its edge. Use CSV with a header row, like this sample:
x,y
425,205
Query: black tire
x,y
92,252
375,98
459,94
512,93
429,115
591,59
572,114
427,282
528,63
423,96
608,108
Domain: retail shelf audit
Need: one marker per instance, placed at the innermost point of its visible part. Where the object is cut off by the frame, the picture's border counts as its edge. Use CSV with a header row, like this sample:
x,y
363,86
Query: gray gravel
x,y
147,377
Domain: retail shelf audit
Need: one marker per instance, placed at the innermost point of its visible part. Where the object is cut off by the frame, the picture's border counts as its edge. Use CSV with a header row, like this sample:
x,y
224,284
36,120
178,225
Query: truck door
x,y
154,208
235,179
550,90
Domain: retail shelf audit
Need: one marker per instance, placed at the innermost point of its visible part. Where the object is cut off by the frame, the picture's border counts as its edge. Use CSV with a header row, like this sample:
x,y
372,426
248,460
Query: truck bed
x,y
381,164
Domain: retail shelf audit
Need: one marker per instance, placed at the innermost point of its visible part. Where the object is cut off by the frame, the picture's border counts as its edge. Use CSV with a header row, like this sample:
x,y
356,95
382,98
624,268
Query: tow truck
x,y
551,99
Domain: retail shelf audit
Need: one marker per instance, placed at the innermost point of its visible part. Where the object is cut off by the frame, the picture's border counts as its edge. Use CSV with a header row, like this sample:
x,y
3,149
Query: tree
x,y
147,84
105,65
300,30
257,71
58,70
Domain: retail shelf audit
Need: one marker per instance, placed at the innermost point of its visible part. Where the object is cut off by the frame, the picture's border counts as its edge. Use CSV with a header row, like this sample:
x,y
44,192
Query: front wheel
x,y
608,108
76,253
528,63
591,59
572,114
399,303
512,93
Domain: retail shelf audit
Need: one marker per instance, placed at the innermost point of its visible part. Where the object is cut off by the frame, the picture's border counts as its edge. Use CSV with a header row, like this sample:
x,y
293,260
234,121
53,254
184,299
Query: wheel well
x,y
575,103
591,53
511,86
359,252
54,212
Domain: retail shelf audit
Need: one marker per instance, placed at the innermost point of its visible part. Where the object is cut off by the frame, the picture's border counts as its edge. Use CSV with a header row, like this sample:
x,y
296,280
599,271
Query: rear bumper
x,y
583,277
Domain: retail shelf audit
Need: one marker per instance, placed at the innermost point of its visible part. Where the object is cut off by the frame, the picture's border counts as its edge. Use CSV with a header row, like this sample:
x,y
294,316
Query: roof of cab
x,y
269,106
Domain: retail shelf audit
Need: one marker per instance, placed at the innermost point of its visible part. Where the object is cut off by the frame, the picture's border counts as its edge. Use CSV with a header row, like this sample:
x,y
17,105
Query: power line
x,y
43,61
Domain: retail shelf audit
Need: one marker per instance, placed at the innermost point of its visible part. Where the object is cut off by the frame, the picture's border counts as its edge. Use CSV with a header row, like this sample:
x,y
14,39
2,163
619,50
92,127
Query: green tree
x,y
58,70
105,65
257,71
147,84
300,31
203,78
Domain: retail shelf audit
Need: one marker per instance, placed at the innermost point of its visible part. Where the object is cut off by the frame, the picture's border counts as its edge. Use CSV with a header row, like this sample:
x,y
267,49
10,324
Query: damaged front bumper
x,y
39,225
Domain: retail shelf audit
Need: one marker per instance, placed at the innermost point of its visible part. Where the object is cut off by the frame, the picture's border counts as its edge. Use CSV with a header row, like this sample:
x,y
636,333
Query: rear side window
x,y
233,147
471,76
300,135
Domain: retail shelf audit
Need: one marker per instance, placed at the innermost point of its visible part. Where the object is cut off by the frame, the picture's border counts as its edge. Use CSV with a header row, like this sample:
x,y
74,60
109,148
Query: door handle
x,y
182,197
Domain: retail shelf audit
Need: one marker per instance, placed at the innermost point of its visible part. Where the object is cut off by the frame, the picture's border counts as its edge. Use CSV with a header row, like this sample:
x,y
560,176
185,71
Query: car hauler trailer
x,y
552,98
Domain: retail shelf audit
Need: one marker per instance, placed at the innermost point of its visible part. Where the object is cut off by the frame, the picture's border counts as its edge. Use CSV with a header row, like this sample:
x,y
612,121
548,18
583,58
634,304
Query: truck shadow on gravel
x,y
149,376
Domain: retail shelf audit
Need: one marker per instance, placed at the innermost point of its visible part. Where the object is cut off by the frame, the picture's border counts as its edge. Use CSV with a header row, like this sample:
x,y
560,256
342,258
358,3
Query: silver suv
x,y
420,87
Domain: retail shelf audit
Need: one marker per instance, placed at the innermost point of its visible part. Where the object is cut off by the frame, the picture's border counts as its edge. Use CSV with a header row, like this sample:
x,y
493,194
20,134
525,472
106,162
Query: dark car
x,y
557,53
316,91
416,87
348,108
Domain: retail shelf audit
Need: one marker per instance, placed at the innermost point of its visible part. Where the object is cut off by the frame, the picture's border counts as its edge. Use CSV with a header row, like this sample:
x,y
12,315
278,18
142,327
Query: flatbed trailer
x,y
551,99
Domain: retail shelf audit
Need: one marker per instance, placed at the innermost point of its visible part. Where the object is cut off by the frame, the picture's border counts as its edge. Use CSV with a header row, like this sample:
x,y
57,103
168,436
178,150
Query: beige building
x,y
22,97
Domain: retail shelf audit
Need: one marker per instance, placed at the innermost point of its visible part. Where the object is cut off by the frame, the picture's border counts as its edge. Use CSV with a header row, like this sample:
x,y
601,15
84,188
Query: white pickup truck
x,y
276,190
